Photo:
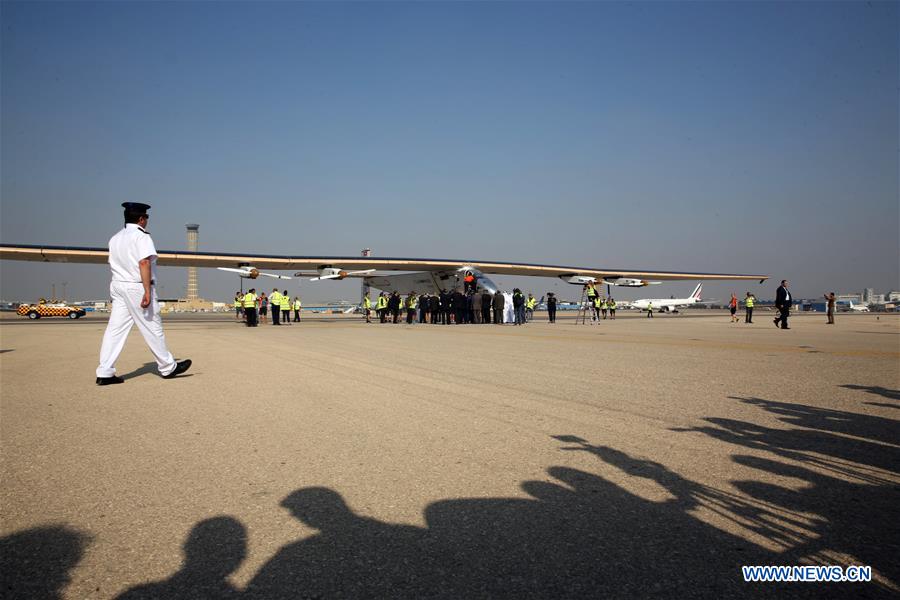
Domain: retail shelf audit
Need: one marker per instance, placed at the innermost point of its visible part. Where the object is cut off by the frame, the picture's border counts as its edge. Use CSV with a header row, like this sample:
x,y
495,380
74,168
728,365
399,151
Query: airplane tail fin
x,y
697,291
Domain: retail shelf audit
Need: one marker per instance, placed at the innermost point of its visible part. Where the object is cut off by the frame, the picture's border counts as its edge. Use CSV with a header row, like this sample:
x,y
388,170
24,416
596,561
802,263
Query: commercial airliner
x,y
849,306
393,274
669,304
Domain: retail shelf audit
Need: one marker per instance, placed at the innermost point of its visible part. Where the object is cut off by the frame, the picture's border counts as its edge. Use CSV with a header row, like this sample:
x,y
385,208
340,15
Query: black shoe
x,y
109,380
776,322
181,367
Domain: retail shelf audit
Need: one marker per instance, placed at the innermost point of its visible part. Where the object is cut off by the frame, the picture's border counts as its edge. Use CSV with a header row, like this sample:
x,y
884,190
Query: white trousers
x,y
126,311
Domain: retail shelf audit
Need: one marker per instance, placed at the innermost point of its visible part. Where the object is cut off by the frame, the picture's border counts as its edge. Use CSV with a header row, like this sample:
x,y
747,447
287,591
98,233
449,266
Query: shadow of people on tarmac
x,y
849,463
214,549
147,368
35,563
578,536
349,557
879,391
144,369
874,428
849,444
856,519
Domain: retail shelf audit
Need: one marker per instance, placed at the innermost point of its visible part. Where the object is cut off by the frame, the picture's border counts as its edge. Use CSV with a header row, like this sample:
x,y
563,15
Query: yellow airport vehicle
x,y
44,309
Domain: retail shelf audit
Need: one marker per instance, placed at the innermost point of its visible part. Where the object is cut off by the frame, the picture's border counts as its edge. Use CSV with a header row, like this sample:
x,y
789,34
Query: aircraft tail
x,y
697,291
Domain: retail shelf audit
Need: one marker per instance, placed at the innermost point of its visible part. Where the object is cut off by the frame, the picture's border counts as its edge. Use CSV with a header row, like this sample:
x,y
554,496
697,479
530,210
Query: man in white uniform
x,y
132,260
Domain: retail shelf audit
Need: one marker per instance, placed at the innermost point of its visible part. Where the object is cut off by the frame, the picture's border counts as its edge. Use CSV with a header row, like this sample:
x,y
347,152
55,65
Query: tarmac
x,y
335,459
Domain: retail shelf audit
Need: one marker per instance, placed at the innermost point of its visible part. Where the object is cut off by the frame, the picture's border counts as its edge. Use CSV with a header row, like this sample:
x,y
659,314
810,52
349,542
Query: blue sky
x,y
734,137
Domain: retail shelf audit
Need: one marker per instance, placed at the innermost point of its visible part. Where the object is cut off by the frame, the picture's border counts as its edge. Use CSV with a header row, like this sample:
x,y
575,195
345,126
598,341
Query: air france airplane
x,y
669,304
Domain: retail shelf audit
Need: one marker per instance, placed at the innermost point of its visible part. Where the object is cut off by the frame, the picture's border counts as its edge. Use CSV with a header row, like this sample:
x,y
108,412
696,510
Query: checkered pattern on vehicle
x,y
44,311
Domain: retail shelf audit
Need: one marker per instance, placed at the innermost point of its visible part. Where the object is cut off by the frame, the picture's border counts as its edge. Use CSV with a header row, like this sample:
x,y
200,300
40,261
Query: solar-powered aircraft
x,y
393,274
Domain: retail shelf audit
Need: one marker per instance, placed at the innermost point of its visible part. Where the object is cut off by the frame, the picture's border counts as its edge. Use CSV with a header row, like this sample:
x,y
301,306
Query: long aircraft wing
x,y
288,263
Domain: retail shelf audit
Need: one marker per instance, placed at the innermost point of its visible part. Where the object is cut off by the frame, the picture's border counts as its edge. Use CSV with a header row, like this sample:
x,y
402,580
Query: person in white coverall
x,y
132,260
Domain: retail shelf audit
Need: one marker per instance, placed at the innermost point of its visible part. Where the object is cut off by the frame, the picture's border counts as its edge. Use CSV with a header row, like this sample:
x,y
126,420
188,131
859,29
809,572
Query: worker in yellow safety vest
x,y
275,301
611,305
297,307
285,301
250,307
596,306
238,306
748,306
412,303
367,307
381,307
530,303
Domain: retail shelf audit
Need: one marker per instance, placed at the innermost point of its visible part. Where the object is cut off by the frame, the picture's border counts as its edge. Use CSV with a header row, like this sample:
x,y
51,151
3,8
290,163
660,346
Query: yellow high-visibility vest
x,y
275,299
285,302
237,302
249,300
381,303
530,303
591,292
297,304
611,305
749,302
413,302
367,304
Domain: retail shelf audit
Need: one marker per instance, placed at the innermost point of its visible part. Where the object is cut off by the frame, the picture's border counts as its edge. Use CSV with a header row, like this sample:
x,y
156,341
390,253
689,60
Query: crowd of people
x,y
471,305
453,307
596,303
254,308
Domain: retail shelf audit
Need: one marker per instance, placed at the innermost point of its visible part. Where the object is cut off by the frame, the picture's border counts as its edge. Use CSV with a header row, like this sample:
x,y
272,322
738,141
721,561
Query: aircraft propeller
x,y
252,273
332,273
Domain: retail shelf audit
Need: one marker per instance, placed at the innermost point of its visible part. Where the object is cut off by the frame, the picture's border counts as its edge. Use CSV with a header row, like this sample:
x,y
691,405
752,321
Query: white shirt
x,y
126,249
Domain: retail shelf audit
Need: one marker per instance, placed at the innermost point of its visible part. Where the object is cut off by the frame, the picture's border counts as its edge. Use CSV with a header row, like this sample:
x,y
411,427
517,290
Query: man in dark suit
x,y
459,307
499,301
394,306
783,303
436,308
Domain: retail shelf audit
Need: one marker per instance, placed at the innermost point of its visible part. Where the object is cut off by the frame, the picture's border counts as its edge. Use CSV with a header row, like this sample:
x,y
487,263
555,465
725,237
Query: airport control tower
x,y
193,239
364,288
